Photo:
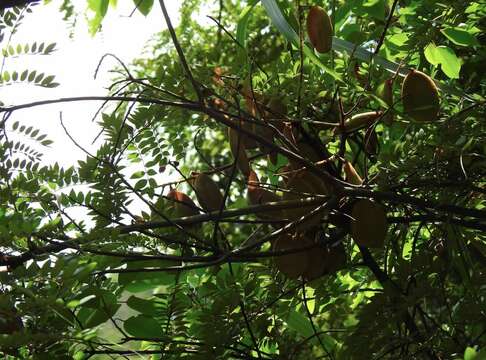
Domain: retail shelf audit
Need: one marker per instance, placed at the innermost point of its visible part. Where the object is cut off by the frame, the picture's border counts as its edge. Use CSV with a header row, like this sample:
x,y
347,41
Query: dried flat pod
x,y
301,185
385,92
217,76
183,204
359,121
257,195
207,192
308,152
319,29
325,260
238,151
293,265
351,175
254,100
420,97
371,141
248,142
369,225
335,258
316,263
276,108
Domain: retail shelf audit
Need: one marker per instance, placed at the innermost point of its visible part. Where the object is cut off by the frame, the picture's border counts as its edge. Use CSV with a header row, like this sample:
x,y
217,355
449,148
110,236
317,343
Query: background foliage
x,y
125,280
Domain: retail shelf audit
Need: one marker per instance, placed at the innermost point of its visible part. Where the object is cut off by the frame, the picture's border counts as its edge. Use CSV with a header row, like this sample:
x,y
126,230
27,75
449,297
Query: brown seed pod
x,y
301,185
371,141
336,257
385,92
217,76
295,264
358,121
319,29
420,97
257,195
207,192
307,152
316,263
276,113
351,175
183,204
239,152
255,101
325,260
369,225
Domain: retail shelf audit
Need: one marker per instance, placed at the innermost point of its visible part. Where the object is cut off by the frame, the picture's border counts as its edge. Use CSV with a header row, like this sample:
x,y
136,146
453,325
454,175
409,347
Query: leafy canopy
x,y
314,237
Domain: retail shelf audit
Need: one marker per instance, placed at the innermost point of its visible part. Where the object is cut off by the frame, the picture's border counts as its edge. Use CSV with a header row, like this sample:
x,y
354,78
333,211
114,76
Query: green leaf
x,y
470,354
32,76
49,48
144,306
144,6
140,184
47,80
300,324
375,8
142,280
243,23
445,57
143,326
100,7
92,317
99,308
460,36
137,174
481,355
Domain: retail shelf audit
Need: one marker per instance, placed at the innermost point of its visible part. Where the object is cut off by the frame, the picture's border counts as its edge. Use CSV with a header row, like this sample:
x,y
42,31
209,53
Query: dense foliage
x,y
145,272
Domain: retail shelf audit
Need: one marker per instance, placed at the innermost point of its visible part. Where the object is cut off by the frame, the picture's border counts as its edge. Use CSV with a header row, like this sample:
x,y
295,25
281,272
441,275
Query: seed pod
x,y
307,152
325,260
255,101
352,175
247,142
207,192
369,225
316,263
371,141
420,97
239,152
217,76
277,111
359,121
319,29
257,195
336,258
183,204
301,185
264,130
295,264
385,92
